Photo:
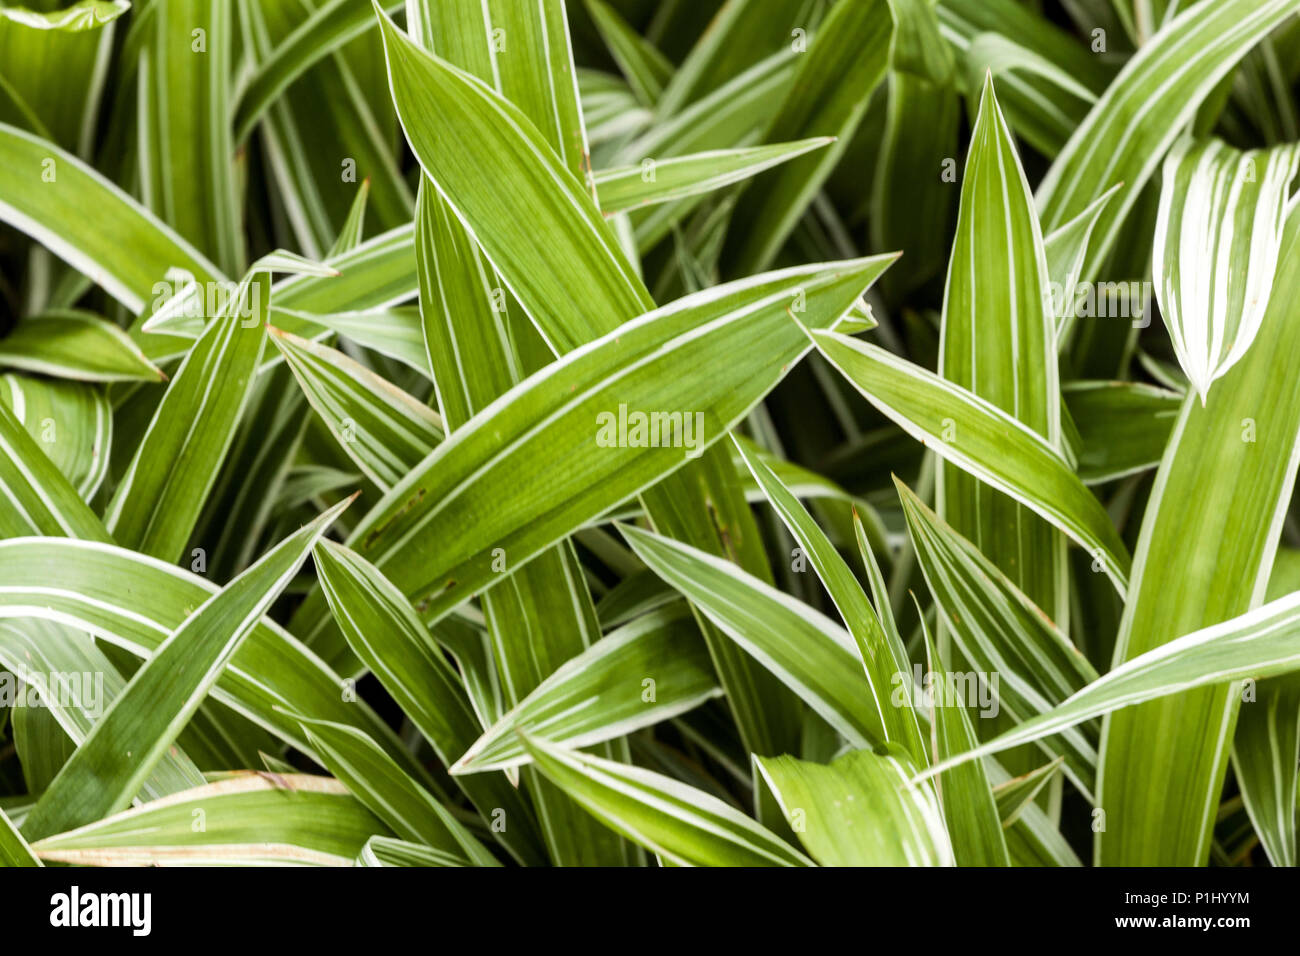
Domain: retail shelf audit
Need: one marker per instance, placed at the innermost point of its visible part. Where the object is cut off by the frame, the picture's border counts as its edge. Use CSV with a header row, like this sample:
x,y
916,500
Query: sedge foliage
x,y
546,378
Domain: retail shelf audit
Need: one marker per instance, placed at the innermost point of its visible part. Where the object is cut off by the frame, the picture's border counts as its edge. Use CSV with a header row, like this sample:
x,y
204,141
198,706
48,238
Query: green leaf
x,y
14,850
50,62
983,440
106,771
53,212
386,635
602,693
917,47
423,544
1265,750
382,429
135,602
969,808
1067,251
1254,645
69,343
1001,632
50,658
912,202
624,188
329,26
998,342
882,653
1124,426
543,614
1038,109
249,818
728,117
187,158
808,652
860,810
685,826
71,422
158,500
435,100
38,498
351,234
390,793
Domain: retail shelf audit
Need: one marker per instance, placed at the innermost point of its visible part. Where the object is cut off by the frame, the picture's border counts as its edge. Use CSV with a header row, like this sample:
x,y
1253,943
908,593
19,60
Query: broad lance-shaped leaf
x,y
685,826
862,809
433,535
1001,632
969,808
602,693
390,793
384,632
45,655
1258,644
45,193
998,342
44,503
157,503
1204,555
428,89
846,60
14,850
135,602
479,347
249,818
1218,237
69,343
882,657
980,438
808,652
1143,110
106,771
623,188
